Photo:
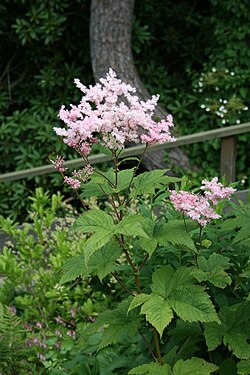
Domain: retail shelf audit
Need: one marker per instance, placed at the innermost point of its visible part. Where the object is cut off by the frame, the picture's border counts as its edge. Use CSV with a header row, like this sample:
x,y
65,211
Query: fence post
x,y
228,158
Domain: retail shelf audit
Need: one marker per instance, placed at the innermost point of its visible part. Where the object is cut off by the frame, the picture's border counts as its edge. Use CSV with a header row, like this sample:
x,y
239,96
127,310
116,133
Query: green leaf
x,y
175,233
96,242
74,268
123,180
148,182
132,225
153,368
246,273
99,147
242,223
228,367
103,261
158,312
192,304
121,324
109,360
138,300
194,366
234,330
148,244
244,367
93,220
189,301
212,270
130,158
91,189
213,335
161,278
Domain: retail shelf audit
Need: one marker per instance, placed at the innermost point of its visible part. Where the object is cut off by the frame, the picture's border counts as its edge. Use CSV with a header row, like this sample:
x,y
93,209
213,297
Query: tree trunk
x,y
110,47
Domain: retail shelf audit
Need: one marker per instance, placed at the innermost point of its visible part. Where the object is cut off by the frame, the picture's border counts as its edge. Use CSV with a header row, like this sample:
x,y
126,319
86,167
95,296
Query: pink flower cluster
x,y
199,207
215,191
78,176
111,111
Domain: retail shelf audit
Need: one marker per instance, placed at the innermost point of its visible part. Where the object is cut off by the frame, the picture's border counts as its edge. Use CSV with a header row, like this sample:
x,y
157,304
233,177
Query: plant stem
x,y
137,167
185,224
121,283
157,346
147,344
143,263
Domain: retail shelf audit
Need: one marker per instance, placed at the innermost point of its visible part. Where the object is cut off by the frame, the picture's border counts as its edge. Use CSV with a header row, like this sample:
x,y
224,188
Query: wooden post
x,y
228,159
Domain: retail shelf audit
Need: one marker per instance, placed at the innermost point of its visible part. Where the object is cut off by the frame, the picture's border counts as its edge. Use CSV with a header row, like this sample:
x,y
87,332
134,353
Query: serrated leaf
x,y
120,324
213,335
138,300
189,301
158,312
74,268
92,221
96,242
123,180
234,330
244,367
109,360
120,329
148,182
161,278
194,366
240,222
153,368
212,270
175,233
131,225
238,343
103,261
193,304
148,245
91,189
243,234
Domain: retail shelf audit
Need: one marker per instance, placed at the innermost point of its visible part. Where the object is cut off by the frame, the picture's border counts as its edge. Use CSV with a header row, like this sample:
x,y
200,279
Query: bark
x,y
110,47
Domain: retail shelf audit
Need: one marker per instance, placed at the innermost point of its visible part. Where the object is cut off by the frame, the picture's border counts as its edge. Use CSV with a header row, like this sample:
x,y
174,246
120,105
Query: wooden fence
x,y
227,163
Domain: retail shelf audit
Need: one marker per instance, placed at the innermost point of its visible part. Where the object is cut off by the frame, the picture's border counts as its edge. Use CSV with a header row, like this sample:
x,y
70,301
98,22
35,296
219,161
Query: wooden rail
x,y
228,153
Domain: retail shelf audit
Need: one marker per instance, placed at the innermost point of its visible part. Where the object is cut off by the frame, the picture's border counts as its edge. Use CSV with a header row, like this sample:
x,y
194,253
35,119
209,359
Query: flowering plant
x,y
169,271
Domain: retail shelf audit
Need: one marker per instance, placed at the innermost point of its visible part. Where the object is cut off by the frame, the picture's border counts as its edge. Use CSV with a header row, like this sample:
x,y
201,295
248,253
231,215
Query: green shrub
x,y
46,312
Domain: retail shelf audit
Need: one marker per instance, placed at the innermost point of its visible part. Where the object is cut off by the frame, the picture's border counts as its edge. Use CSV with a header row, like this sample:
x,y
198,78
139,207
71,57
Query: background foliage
x,y
195,54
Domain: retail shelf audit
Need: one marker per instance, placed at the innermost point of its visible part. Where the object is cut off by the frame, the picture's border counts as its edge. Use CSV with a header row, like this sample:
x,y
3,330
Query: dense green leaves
x,y
153,368
244,367
132,225
157,312
234,330
174,232
213,270
120,324
178,292
148,182
193,366
74,268
92,221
